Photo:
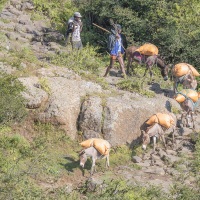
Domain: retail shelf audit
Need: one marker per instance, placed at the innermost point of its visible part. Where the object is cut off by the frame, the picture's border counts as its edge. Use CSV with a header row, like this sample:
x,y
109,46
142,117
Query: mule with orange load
x,y
184,73
189,100
159,123
146,54
96,148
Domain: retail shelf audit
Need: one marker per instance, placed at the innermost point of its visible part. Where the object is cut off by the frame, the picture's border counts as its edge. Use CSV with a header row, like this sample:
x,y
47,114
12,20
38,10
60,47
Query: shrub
x,y
57,11
12,107
85,60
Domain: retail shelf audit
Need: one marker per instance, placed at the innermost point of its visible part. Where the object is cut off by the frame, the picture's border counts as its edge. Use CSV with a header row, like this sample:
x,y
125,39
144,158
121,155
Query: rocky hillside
x,y
84,109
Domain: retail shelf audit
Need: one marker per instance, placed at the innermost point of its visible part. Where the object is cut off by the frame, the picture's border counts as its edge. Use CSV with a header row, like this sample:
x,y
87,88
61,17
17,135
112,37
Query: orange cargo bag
x,y
148,49
182,69
194,71
192,94
163,119
102,146
87,143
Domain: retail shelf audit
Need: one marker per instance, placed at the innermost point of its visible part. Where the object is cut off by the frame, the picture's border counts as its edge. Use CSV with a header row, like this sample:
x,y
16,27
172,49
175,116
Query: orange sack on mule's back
x,y
102,146
192,94
163,119
148,49
87,143
182,69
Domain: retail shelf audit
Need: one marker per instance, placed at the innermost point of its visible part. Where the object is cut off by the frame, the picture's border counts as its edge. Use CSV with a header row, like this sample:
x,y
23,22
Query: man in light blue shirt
x,y
115,46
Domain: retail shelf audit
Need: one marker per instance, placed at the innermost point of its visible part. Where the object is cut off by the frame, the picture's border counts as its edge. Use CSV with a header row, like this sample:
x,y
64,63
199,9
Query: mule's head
x,y
83,158
145,140
165,71
164,68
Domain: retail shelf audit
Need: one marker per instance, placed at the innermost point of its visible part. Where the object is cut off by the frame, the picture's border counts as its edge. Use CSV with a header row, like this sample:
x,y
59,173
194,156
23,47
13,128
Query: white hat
x,y
77,14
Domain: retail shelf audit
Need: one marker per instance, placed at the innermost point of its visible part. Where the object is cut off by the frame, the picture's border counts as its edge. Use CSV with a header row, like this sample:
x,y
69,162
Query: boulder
x,y
64,104
34,96
90,118
124,117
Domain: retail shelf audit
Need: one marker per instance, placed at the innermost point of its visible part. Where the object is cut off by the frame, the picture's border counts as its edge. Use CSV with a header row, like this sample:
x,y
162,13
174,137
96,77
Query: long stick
x,y
106,31
101,28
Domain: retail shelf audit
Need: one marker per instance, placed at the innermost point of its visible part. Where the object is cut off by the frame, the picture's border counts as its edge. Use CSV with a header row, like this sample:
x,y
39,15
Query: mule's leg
x,y
107,161
164,142
93,168
173,142
175,85
151,74
154,150
183,118
145,71
192,118
129,64
188,118
154,144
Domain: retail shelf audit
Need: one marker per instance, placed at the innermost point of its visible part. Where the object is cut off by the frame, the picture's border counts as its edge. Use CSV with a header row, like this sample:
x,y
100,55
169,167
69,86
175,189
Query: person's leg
x,y
80,45
112,61
76,45
121,62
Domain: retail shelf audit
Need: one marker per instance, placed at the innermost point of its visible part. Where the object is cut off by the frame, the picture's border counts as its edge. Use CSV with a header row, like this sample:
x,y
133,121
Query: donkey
x,y
188,81
188,107
150,61
156,131
94,154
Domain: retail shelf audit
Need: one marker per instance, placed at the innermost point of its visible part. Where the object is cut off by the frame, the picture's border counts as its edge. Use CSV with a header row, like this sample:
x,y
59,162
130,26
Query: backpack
x,y
70,25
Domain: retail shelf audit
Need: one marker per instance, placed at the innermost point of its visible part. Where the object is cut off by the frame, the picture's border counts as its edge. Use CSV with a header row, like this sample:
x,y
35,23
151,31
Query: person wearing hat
x,y
75,27
116,49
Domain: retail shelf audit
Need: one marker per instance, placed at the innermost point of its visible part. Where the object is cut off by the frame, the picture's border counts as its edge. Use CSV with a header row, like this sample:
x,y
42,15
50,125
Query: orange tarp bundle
x,y
182,69
192,94
148,49
102,146
163,119
87,143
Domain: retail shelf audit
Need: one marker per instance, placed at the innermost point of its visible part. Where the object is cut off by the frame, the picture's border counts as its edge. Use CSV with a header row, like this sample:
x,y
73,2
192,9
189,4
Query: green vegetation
x,y
197,155
171,25
132,86
57,11
12,107
80,61
45,85
25,163
2,4
34,157
20,57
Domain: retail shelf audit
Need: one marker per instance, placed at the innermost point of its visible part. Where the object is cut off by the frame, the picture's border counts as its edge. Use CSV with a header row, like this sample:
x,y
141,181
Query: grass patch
x,y
16,58
79,61
120,155
133,85
45,85
24,162
2,4
95,79
12,103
